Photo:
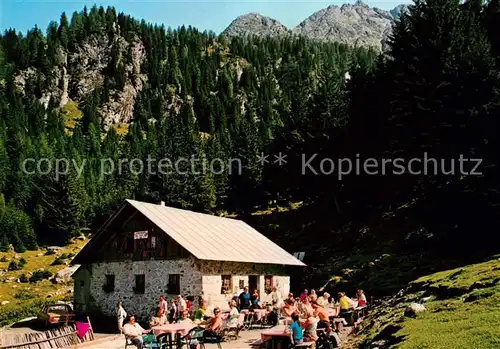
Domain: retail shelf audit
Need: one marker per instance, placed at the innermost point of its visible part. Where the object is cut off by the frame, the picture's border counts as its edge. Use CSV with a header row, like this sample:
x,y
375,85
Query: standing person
x,y
276,298
134,332
163,305
244,299
121,315
189,299
173,311
181,305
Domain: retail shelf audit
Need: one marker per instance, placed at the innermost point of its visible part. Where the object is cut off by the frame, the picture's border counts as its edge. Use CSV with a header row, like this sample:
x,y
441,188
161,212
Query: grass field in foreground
x,y
464,312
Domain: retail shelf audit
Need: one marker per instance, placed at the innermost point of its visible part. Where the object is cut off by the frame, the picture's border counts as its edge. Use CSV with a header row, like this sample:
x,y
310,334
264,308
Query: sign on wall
x,y
138,235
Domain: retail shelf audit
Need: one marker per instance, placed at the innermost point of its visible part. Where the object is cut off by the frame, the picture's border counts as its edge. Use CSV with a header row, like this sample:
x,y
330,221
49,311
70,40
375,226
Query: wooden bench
x,y
257,344
304,345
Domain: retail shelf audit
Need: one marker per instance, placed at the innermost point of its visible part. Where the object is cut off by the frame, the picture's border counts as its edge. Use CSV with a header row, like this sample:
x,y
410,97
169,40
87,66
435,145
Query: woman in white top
x,y
121,314
234,314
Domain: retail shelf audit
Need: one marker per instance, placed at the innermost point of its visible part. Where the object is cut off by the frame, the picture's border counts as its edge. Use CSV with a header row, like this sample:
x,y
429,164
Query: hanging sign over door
x,y
138,235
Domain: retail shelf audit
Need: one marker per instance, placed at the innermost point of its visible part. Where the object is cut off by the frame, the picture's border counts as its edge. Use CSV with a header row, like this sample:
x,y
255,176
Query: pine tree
x,y
63,31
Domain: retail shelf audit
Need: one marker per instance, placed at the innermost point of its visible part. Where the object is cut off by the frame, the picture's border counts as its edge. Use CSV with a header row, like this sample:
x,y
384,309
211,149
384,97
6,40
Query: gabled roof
x,y
209,237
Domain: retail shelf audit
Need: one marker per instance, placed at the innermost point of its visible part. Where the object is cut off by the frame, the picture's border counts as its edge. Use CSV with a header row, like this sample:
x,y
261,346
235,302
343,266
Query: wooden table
x,y
276,335
173,329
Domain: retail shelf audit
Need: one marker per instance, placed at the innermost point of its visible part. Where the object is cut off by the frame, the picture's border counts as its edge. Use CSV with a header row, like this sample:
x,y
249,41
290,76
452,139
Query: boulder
x,y
5,302
82,238
12,279
414,309
64,275
40,254
16,256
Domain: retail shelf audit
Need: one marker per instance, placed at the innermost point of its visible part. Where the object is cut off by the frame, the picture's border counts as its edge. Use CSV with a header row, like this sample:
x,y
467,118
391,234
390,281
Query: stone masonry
x,y
195,276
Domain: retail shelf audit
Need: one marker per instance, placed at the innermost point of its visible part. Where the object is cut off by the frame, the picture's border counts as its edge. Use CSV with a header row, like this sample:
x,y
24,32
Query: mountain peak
x,y
354,24
360,3
254,23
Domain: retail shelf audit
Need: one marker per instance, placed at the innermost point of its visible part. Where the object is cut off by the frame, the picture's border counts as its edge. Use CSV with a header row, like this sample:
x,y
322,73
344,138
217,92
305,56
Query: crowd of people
x,y
304,314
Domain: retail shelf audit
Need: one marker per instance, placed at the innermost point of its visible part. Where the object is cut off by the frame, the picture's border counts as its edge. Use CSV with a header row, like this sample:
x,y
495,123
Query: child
x,y
296,329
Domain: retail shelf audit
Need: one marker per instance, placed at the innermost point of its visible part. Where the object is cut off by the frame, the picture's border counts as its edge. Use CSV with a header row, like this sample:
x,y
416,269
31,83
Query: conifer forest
x,y
98,86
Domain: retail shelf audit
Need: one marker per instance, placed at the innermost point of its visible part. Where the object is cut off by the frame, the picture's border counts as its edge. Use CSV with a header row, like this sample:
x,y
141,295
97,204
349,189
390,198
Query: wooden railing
x,y
57,338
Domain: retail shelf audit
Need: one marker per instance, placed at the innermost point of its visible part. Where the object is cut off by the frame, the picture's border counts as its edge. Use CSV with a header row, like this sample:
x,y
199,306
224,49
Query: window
x,y
226,284
242,284
174,284
110,283
140,283
82,283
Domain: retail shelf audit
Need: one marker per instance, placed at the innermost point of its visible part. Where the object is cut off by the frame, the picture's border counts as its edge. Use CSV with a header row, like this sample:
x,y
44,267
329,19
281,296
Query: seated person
x,y
304,308
184,319
159,318
322,315
345,303
199,315
287,310
296,329
133,331
310,326
324,301
361,298
255,300
234,314
215,323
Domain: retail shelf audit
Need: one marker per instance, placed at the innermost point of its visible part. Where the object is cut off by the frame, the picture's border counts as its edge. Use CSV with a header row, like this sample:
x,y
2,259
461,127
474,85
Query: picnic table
x,y
176,330
277,335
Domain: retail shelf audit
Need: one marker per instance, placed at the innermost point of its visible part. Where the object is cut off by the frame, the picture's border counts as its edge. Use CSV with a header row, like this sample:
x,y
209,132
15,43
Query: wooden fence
x,y
57,338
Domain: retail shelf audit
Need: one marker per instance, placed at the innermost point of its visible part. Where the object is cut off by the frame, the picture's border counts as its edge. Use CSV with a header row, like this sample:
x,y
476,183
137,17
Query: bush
x,y
22,262
14,266
40,275
4,259
50,252
58,261
24,279
23,295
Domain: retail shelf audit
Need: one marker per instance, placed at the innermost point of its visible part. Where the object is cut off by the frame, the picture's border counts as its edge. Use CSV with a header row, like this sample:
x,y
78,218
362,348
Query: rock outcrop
x,y
254,24
78,73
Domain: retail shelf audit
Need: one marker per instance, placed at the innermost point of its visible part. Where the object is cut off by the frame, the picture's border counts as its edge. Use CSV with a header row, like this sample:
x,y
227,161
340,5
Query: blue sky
x,y
213,15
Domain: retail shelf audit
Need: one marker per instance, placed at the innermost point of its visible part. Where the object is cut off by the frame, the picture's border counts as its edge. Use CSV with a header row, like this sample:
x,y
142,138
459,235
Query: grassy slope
x,y
464,312
27,298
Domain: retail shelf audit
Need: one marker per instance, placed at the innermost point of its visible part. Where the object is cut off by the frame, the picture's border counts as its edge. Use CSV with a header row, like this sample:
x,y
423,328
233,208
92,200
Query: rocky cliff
x,y
79,72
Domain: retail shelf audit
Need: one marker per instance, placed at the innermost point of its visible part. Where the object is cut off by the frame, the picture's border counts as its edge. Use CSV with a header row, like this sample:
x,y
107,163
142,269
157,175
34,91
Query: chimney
x,y
162,203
